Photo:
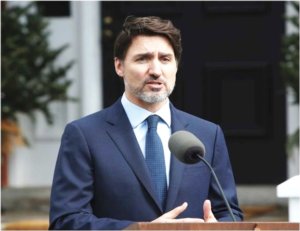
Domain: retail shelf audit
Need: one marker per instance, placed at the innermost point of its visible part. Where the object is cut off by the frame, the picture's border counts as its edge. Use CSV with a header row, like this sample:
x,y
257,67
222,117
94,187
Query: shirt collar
x,y
137,115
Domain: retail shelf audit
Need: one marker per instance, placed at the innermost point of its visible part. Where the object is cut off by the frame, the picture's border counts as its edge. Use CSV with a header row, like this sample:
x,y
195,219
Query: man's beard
x,y
152,96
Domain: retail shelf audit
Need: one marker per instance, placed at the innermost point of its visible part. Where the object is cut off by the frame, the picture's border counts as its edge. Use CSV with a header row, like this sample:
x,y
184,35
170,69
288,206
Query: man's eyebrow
x,y
165,54
146,54
149,54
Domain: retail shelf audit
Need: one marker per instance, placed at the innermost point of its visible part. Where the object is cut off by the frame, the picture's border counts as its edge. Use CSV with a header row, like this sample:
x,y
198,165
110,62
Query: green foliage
x,y
290,47
290,66
30,77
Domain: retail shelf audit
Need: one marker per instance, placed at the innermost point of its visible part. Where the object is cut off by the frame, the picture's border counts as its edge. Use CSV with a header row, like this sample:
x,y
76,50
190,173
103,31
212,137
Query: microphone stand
x,y
219,186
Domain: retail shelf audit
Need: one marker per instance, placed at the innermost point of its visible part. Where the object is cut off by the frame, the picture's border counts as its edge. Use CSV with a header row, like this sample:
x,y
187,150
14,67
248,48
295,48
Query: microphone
x,y
190,150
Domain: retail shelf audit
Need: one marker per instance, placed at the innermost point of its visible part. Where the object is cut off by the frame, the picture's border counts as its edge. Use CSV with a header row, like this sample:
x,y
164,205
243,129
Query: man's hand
x,y
170,217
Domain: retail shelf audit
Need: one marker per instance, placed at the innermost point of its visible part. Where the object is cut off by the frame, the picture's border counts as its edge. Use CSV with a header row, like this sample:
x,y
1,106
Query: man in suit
x,y
102,179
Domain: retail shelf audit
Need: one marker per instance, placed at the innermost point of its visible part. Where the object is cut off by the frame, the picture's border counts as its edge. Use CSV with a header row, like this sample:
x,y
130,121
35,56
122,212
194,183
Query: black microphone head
x,y
186,147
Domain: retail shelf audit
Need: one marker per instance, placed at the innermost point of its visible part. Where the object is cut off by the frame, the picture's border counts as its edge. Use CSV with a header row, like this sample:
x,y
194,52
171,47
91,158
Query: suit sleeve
x,y
72,189
222,167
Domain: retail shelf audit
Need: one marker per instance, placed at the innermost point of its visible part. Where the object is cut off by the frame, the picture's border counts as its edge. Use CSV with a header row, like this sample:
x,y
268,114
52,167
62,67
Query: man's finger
x,y
173,213
208,214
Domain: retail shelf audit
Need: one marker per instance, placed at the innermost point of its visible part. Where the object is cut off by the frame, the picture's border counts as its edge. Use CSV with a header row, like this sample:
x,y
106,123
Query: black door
x,y
229,75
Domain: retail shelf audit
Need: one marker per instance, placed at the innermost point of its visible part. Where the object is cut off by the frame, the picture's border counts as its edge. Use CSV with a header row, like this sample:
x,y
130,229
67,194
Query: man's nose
x,y
155,69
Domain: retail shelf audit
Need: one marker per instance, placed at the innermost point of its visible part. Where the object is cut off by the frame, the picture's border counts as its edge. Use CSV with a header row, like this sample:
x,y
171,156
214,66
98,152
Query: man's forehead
x,y
150,44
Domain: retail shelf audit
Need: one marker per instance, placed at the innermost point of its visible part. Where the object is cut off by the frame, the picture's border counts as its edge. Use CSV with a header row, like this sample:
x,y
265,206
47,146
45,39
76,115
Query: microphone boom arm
x,y
219,186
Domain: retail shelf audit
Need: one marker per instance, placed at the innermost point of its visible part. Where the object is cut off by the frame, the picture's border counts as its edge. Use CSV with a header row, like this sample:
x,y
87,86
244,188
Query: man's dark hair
x,y
151,26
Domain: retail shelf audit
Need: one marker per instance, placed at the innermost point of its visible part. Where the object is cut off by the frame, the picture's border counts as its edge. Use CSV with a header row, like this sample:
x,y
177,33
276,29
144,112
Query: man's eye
x,y
141,59
165,59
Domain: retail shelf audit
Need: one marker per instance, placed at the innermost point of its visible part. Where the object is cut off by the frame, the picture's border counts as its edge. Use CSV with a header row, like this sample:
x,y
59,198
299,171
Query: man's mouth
x,y
154,85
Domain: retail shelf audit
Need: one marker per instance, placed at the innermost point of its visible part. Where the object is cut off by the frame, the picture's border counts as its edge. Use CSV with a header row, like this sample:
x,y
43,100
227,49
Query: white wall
x,y
34,165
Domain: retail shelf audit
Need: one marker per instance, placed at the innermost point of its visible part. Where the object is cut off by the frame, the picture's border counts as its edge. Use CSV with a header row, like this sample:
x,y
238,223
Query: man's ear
x,y
119,67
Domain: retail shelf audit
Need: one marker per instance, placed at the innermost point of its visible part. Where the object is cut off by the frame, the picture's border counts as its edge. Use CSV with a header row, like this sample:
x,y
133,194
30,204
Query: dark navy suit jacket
x,y
101,180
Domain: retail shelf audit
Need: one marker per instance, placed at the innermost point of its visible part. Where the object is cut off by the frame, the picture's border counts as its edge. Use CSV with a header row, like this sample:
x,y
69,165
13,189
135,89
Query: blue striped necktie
x,y
155,159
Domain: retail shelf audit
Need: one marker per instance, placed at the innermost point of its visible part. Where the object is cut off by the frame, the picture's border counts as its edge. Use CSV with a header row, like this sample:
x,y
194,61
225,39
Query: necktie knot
x,y
153,121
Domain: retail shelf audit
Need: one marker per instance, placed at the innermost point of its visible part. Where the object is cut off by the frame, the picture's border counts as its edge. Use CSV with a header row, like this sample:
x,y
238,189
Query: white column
x,y
291,188
89,24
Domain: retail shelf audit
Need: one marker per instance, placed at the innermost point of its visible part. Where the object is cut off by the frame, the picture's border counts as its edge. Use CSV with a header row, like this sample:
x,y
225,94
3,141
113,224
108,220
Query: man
x,y
102,177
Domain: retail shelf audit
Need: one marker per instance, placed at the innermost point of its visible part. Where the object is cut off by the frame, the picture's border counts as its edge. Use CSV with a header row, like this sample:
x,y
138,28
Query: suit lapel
x,y
123,136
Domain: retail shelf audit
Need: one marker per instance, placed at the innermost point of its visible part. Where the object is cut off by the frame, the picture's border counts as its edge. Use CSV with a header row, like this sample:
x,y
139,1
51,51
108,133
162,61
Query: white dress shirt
x,y
137,117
